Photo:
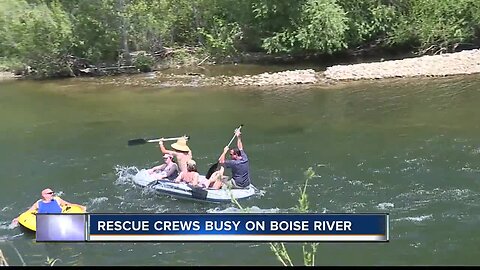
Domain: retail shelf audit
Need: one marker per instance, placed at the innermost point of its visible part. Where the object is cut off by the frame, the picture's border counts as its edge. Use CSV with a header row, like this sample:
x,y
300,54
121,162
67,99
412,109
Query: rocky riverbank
x,y
460,63
6,75
464,62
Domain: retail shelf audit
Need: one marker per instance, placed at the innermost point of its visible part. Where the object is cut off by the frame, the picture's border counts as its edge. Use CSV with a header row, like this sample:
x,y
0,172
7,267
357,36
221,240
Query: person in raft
x,y
180,151
239,165
169,169
49,204
191,176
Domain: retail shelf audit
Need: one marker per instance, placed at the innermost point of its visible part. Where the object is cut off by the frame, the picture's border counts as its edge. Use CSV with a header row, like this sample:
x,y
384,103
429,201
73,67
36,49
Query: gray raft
x,y
182,190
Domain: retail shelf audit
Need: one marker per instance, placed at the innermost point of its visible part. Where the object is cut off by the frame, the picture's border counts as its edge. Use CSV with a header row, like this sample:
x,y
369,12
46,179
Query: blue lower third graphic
x,y
61,227
239,227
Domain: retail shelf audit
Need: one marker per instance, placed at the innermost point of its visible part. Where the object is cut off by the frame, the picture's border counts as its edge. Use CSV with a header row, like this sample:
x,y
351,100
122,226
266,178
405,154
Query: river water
x,y
408,147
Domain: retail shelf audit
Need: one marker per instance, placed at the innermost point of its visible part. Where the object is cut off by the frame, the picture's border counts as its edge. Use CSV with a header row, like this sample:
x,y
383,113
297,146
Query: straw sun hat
x,y
181,145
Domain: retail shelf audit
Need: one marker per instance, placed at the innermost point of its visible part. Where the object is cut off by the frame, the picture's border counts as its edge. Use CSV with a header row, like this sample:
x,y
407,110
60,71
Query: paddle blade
x,y
212,169
199,193
137,141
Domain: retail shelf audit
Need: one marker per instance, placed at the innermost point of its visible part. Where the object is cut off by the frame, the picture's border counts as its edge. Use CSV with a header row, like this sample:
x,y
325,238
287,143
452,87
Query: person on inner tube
x,y
49,204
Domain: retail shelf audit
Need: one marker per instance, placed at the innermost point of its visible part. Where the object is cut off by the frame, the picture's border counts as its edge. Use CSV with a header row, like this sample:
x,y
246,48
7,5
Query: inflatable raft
x,y
184,191
28,219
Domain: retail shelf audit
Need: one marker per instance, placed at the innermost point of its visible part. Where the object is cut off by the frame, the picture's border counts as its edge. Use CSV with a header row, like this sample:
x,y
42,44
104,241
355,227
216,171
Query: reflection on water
x,y
406,147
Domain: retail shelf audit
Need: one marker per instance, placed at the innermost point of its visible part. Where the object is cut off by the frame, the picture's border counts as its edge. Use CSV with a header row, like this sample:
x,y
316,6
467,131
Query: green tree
x,y
369,20
311,25
150,22
40,35
96,25
438,25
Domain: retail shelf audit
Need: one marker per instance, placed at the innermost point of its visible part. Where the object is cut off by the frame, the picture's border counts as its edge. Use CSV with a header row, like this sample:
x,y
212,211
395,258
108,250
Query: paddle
x,y
144,141
213,168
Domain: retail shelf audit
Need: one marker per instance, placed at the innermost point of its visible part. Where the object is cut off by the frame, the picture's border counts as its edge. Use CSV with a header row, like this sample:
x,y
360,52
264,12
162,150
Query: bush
x,y
144,62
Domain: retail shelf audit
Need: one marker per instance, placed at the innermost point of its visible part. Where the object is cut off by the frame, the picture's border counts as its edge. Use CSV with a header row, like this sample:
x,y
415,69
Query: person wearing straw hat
x,y
180,151
168,170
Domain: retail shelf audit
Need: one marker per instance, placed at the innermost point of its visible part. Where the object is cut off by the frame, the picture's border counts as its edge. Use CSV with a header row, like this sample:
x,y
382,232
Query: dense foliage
x,y
48,34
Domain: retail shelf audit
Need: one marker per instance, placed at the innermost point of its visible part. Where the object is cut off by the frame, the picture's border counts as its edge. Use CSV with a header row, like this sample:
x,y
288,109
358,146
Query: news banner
x,y
212,227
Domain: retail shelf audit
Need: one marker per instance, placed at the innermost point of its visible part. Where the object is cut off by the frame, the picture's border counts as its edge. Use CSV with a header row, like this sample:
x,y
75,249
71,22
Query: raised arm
x,y
221,159
164,150
239,140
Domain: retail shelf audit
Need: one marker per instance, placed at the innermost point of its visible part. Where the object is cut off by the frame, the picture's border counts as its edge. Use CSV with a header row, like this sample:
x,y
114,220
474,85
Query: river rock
x,y
6,76
307,76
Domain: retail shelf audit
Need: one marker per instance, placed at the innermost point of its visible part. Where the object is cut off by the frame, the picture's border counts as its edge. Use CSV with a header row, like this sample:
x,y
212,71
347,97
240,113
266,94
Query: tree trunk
x,y
198,23
124,34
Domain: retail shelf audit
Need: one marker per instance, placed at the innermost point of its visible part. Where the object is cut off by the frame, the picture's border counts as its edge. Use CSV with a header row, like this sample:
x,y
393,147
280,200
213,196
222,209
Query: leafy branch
x,y
279,249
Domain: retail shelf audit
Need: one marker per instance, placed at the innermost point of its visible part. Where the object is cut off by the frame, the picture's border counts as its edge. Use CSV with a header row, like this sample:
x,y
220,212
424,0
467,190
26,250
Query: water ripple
x,y
385,206
417,219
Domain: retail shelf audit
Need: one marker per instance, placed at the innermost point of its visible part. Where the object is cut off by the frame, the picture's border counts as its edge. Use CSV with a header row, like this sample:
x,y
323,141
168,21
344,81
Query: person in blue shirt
x,y
238,163
49,204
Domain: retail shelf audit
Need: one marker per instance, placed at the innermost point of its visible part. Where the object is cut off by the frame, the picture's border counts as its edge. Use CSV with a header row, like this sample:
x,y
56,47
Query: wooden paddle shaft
x,y
215,165
234,135
168,139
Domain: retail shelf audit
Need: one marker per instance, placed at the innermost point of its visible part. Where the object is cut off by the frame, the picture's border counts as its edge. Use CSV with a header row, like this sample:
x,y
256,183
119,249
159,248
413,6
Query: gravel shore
x,y
6,75
460,63
464,62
